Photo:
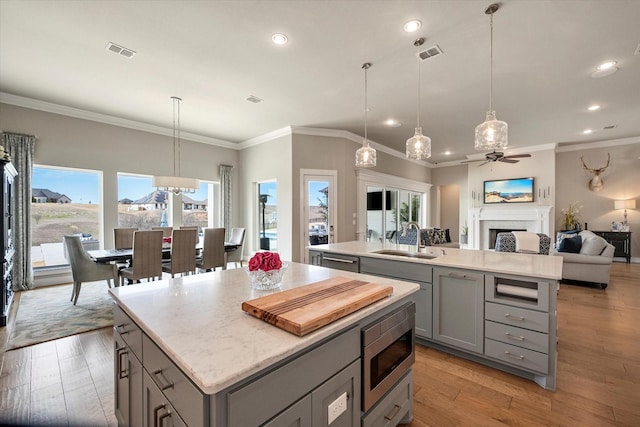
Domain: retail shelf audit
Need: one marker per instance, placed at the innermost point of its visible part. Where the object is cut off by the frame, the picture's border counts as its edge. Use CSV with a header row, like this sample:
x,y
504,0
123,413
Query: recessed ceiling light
x,y
393,123
279,38
447,153
587,131
605,69
412,26
593,107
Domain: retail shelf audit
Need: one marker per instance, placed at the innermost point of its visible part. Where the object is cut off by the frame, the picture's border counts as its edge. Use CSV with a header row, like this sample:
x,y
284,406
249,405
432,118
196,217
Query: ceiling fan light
x,y
418,146
365,156
491,134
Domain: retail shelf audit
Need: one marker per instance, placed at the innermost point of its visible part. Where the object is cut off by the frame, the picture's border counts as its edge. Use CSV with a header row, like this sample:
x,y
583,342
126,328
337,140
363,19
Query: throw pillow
x,y
571,244
439,236
564,234
593,245
425,237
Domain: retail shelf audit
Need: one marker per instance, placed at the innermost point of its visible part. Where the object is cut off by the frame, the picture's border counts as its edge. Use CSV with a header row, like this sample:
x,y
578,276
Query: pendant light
x,y
365,156
418,146
176,183
492,134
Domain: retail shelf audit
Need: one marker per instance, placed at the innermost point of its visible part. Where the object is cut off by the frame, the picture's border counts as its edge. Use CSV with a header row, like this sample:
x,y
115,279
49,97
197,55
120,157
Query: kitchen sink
x,y
405,254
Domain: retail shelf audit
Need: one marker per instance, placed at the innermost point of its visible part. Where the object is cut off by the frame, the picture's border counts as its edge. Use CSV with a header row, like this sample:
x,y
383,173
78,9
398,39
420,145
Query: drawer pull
x,y
518,318
122,372
346,261
393,413
161,419
161,379
509,354
120,329
513,337
156,410
457,276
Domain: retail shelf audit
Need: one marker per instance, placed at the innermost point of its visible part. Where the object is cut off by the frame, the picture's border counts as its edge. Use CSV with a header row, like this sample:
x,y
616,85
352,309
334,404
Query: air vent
x,y
254,99
430,53
609,127
120,50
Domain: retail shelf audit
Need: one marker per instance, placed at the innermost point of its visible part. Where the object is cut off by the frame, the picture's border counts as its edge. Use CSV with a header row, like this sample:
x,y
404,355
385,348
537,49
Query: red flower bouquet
x,y
266,270
265,261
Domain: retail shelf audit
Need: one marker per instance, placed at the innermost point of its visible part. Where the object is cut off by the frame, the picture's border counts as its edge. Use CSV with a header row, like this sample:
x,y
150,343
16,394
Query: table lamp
x,y
625,204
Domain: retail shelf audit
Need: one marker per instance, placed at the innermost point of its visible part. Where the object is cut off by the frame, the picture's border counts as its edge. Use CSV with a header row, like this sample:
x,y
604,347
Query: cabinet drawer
x,y
393,408
520,317
158,411
341,262
532,340
396,269
128,330
178,389
517,356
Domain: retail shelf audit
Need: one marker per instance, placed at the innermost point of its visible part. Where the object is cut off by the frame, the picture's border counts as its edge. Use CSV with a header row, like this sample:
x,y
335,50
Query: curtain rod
x,y
229,166
19,134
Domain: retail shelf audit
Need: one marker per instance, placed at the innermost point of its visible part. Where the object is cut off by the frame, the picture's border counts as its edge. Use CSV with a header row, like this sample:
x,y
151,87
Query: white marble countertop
x,y
538,266
199,323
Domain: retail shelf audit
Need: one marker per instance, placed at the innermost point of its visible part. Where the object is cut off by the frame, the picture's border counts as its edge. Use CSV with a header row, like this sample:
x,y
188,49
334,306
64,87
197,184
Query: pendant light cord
x,y
366,67
491,62
418,109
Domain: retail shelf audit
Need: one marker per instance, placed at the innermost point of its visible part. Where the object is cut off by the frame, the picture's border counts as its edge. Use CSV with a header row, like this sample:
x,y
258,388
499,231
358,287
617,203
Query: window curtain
x,y
226,191
21,148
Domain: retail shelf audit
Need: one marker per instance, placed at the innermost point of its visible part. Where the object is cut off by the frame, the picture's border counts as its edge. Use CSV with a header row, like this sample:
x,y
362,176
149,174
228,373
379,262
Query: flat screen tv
x,y
517,190
374,201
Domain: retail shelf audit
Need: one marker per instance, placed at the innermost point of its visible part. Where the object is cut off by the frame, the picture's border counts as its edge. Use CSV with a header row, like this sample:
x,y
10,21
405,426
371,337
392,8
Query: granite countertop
x,y
529,265
199,323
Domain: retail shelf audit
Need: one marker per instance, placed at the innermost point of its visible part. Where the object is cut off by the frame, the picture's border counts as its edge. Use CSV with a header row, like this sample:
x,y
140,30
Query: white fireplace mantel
x,y
537,219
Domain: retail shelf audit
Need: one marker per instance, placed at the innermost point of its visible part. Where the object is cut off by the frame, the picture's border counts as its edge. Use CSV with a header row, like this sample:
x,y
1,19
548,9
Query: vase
x,y
265,280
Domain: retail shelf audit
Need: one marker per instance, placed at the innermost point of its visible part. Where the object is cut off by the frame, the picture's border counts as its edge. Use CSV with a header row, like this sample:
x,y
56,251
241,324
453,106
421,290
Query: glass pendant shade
x,y
492,134
418,146
365,156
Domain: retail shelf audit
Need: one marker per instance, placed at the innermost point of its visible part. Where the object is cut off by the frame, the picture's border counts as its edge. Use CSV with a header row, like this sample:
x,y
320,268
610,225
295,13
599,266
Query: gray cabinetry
x,y
158,411
393,407
458,308
128,370
415,272
335,261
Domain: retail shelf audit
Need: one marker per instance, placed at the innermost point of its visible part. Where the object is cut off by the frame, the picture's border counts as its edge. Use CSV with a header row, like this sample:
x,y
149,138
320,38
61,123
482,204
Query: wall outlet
x,y
337,407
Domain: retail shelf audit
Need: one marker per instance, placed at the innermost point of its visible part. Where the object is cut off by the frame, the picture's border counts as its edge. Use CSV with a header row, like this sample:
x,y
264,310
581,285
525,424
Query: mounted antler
x,y
596,183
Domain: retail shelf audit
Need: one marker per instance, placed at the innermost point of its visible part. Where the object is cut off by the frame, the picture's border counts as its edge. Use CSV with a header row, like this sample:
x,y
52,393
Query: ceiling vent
x,y
429,53
120,50
254,99
608,127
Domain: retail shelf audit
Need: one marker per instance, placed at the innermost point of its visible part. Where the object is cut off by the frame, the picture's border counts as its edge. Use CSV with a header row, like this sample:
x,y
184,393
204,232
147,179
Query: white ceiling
x,y
214,54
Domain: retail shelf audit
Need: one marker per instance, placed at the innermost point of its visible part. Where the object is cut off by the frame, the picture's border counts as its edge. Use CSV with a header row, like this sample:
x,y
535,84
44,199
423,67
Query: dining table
x,y
119,255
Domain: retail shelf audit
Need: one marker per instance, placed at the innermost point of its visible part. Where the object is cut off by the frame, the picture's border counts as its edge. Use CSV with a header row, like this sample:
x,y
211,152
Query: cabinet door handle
x,y
520,357
457,276
161,419
120,329
520,338
161,379
346,261
122,373
518,318
393,413
156,411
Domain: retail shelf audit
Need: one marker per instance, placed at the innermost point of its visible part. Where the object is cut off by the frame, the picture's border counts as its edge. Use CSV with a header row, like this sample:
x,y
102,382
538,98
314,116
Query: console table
x,y
621,240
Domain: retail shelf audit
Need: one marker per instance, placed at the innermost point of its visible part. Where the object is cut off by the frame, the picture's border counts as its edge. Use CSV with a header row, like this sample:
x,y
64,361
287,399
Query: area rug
x,y
47,313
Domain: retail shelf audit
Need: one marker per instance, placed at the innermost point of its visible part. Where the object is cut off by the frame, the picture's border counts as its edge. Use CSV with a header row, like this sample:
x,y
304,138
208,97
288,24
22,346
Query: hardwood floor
x,y
70,381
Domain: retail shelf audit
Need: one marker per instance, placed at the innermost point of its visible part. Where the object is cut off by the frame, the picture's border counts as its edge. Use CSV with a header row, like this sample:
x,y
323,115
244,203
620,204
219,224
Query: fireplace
x,y
533,218
493,234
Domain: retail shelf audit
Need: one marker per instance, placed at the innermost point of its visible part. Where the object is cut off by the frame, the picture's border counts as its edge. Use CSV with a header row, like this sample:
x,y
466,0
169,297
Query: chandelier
x,y
492,133
176,183
418,146
365,155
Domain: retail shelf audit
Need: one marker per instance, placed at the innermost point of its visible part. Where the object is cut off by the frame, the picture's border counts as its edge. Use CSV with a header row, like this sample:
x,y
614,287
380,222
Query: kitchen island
x,y
495,308
186,354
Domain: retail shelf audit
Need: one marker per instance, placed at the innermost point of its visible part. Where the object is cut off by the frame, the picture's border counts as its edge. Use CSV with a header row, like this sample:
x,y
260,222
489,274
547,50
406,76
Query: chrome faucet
x,y
404,233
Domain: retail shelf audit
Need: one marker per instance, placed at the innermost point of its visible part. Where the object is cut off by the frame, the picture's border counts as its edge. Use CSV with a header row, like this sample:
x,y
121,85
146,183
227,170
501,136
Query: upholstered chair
x,y
237,237
183,252
212,255
146,261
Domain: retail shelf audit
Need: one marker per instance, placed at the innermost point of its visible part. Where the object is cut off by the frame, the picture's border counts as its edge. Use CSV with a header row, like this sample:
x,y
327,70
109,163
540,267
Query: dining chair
x,y
236,237
212,255
183,252
166,231
123,237
189,227
84,269
146,260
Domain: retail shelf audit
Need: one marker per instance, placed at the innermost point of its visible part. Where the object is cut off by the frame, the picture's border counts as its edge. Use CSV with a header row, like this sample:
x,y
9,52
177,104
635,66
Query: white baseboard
x,y
52,276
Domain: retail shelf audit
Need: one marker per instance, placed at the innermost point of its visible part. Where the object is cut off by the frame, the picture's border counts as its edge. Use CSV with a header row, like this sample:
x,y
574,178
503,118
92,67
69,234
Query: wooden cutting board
x,y
304,309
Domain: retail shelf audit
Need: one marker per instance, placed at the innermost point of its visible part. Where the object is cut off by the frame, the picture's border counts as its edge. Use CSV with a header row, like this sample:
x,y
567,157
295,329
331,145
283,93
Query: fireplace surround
x,y
533,218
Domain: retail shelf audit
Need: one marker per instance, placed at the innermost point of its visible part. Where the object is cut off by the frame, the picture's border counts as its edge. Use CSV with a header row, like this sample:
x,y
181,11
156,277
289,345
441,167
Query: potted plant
x,y
465,234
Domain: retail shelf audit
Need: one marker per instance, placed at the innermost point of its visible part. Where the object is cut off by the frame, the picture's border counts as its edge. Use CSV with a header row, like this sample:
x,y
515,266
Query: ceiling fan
x,y
498,156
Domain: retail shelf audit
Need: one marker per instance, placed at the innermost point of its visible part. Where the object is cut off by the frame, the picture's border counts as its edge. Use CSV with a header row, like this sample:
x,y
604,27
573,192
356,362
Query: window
x,y
140,204
64,201
198,208
267,215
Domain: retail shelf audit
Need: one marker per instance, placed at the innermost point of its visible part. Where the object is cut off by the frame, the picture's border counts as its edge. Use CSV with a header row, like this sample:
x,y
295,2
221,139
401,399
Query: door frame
x,y
330,175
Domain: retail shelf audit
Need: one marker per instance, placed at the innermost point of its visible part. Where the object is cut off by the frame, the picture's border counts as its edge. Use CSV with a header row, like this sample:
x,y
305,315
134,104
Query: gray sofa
x,y
591,264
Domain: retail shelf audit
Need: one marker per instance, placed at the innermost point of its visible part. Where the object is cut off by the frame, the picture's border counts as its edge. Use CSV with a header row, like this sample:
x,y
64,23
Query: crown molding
x,y
77,113
599,144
